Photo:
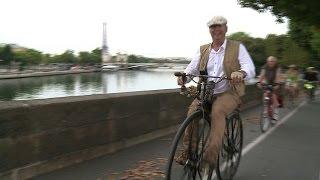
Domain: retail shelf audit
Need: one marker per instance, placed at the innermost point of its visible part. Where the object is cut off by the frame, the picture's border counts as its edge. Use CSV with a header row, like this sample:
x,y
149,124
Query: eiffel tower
x,y
105,49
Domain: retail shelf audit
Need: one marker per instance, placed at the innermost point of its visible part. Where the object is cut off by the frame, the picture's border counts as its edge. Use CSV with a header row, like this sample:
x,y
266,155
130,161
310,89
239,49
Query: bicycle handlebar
x,y
180,74
266,84
184,76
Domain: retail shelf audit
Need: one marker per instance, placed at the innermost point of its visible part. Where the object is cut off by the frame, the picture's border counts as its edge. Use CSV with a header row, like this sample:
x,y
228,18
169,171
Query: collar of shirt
x,y
221,49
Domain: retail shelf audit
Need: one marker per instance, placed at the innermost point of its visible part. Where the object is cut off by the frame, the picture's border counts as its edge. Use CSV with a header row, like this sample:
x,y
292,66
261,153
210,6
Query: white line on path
x,y
266,134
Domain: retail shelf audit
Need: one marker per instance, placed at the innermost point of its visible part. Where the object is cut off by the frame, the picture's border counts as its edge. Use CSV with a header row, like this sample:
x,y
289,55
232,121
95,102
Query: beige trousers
x,y
224,104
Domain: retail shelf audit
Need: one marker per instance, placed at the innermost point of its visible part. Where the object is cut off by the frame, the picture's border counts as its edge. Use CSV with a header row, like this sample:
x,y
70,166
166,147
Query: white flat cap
x,y
217,20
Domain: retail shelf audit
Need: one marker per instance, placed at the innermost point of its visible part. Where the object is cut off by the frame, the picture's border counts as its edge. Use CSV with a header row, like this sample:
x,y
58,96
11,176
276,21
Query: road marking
x,y
266,134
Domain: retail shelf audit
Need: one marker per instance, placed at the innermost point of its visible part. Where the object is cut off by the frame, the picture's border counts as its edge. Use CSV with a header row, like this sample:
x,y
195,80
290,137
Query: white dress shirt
x,y
215,65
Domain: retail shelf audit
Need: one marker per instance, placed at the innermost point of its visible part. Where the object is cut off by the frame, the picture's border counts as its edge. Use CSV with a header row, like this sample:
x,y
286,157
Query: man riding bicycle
x,y
270,74
222,57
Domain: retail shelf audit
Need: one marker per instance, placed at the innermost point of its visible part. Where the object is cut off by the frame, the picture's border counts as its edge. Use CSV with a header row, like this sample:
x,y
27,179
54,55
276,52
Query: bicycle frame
x,y
268,97
268,101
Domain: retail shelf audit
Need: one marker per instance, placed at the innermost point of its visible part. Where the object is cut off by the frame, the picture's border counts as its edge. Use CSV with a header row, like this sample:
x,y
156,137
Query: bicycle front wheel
x,y
265,122
191,146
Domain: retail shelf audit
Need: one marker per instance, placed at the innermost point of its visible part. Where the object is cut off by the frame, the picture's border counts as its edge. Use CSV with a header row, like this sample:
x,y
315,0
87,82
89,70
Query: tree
x,y
46,58
294,54
306,11
240,36
315,42
139,59
6,55
28,56
304,27
301,34
255,47
85,57
96,55
66,57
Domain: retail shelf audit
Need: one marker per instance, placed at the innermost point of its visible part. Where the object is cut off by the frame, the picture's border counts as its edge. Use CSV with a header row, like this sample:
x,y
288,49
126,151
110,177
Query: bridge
x,y
146,66
290,150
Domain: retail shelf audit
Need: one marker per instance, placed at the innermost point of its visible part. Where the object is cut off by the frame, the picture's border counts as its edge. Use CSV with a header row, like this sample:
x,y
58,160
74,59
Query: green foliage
x,y
66,57
301,33
32,57
315,41
139,59
90,58
46,58
96,55
85,57
293,54
275,45
29,56
256,47
6,54
304,27
240,36
306,11
281,46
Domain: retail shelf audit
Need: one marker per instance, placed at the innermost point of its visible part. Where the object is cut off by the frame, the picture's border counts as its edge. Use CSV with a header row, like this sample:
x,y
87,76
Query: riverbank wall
x,y
40,74
39,136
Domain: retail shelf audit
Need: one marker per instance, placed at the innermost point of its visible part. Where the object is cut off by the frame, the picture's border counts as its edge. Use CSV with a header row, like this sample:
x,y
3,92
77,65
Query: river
x,y
84,84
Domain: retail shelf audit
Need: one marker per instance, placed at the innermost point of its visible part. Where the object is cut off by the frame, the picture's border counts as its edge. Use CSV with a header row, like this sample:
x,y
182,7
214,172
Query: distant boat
x,y
110,68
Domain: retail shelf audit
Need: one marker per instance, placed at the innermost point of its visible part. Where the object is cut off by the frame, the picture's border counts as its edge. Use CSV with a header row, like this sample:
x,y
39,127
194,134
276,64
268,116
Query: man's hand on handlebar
x,y
180,81
182,78
236,77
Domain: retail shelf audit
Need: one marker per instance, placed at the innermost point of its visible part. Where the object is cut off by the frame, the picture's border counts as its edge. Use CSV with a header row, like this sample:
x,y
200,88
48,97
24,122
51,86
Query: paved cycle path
x,y
291,151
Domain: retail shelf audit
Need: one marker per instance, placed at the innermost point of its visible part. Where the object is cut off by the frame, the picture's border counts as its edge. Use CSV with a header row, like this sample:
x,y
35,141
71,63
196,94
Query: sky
x,y
153,28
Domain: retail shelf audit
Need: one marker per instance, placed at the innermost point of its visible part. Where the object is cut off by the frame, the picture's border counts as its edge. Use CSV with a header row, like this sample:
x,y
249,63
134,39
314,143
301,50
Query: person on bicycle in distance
x,y
292,80
311,75
222,57
271,74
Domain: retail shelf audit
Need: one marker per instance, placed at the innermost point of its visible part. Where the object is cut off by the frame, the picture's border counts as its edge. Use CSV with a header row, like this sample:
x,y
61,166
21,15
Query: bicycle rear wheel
x,y
230,153
198,137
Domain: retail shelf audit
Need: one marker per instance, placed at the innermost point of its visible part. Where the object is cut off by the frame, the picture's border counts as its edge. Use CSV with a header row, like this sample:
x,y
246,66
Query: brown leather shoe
x,y
181,158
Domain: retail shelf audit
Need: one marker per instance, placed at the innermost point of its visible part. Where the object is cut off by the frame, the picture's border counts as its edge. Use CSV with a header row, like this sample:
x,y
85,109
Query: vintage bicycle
x,y
199,122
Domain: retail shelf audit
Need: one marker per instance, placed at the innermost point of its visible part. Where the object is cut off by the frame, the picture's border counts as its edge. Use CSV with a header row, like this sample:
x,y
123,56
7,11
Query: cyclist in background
x,y
271,74
292,80
311,75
